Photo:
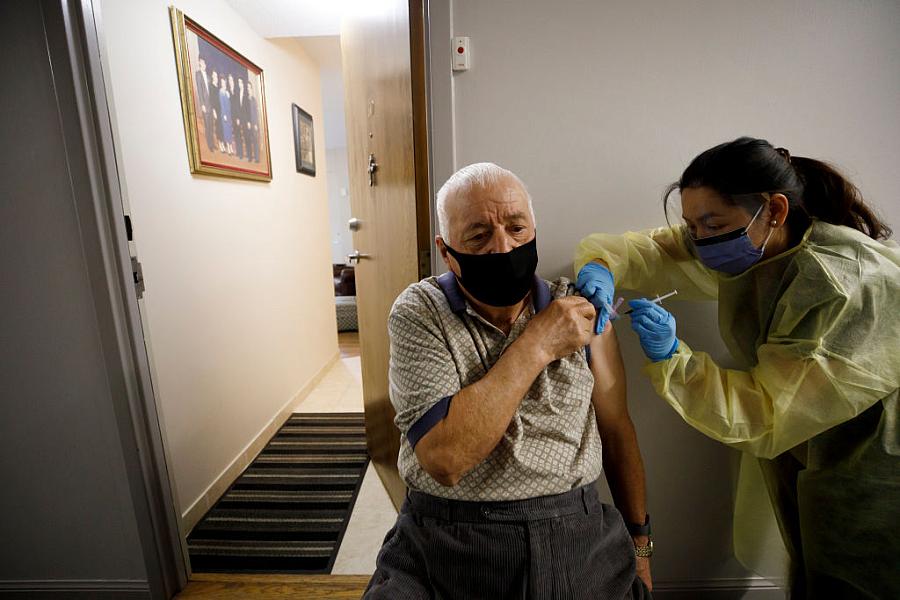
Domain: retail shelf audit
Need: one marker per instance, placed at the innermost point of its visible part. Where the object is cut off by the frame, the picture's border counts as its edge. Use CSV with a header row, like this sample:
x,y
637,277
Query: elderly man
x,y
502,410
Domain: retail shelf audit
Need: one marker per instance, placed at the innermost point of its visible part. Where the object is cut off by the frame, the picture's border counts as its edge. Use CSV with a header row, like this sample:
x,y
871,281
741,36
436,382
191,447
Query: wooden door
x,y
384,90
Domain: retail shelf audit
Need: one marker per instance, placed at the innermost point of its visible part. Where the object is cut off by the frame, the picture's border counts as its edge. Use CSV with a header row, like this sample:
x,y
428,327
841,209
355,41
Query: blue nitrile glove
x,y
595,283
655,327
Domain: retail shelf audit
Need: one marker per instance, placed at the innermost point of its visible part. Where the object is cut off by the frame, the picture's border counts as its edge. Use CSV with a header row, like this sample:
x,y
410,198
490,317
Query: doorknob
x,y
354,224
373,166
357,256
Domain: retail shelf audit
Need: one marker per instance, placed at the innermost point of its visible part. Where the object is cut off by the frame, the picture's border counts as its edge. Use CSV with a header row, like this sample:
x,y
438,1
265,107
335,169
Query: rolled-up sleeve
x,y
423,375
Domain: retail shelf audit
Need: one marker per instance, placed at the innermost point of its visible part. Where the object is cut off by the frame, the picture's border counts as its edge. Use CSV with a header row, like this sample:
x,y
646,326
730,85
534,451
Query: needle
x,y
612,310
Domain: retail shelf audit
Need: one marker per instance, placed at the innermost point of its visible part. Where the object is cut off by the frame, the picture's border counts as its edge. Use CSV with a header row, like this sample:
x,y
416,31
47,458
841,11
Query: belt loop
x,y
445,510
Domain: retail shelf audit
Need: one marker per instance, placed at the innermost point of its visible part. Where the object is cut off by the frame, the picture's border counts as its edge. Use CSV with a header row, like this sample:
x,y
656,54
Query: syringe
x,y
657,300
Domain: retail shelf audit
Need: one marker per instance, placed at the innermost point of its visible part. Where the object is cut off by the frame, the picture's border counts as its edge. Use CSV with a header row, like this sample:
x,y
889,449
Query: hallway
x,y
340,390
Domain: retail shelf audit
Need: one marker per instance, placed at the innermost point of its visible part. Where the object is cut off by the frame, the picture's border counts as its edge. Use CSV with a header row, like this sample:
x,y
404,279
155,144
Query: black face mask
x,y
498,279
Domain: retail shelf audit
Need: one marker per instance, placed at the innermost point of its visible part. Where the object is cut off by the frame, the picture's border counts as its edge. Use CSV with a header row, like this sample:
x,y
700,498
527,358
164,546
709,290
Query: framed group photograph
x,y
304,142
223,103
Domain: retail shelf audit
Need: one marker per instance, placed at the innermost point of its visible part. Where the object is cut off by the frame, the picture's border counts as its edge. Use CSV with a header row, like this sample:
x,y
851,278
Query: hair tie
x,y
783,152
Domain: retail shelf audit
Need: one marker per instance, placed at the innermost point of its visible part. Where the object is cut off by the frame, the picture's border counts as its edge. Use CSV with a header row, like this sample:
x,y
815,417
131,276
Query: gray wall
x,y
66,520
599,105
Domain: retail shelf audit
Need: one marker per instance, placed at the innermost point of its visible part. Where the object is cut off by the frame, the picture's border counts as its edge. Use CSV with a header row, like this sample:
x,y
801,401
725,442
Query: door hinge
x,y
424,263
137,272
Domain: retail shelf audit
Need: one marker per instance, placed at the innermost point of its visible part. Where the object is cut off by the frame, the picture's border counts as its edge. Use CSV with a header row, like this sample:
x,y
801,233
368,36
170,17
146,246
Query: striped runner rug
x,y
288,510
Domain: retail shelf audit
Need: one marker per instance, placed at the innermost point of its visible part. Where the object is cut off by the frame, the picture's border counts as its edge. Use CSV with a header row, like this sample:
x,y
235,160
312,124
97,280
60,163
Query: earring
x,y
774,223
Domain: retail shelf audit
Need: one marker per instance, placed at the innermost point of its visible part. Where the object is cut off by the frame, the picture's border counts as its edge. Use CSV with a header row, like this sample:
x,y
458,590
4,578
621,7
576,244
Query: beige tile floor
x,y
340,390
373,515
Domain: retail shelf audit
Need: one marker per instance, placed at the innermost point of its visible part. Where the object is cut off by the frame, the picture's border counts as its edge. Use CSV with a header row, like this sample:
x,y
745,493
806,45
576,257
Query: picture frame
x,y
304,141
222,103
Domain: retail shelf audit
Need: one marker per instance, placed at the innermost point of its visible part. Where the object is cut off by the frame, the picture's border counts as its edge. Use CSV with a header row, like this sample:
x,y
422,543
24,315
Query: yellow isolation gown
x,y
817,332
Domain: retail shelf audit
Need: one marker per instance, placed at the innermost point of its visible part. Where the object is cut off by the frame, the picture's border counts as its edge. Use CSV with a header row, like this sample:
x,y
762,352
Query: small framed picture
x,y
304,141
223,103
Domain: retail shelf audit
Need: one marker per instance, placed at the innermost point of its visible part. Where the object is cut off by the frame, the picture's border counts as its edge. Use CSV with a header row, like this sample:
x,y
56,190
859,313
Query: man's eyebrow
x,y
476,225
518,216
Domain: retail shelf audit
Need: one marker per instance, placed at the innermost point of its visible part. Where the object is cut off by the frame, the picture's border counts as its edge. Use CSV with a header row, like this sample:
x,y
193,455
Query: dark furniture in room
x,y
344,280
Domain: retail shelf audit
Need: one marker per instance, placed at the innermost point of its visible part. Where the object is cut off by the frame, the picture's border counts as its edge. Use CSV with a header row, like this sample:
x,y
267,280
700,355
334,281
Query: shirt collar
x,y
540,293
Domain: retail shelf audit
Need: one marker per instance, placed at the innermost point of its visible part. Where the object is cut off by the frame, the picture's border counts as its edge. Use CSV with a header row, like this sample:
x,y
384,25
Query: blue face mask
x,y
731,252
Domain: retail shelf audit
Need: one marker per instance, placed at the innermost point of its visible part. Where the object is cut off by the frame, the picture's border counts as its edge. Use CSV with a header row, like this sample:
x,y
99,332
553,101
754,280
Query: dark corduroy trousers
x,y
567,546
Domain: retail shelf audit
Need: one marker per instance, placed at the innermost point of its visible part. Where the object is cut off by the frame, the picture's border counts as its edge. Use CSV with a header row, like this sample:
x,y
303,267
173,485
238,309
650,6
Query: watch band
x,y
636,529
644,551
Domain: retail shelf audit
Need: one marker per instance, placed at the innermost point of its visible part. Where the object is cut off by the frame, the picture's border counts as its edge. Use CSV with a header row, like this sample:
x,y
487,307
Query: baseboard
x,y
220,485
76,589
745,588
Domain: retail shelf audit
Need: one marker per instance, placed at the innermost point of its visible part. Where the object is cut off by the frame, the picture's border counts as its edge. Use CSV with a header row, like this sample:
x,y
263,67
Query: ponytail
x,y
830,197
814,189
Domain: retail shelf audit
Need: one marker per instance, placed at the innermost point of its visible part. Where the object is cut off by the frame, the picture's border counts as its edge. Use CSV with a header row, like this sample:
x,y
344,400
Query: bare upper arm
x,y
609,395
431,453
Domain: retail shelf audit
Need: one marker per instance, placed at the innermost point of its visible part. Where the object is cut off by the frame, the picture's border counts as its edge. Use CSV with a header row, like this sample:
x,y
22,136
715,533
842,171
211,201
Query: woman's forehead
x,y
700,202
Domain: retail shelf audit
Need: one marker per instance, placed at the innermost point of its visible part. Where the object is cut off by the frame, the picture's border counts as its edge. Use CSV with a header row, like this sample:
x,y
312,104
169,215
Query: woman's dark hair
x,y
748,167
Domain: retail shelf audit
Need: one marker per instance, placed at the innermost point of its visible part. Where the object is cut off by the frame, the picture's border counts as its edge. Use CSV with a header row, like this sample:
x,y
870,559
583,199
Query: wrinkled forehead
x,y
503,201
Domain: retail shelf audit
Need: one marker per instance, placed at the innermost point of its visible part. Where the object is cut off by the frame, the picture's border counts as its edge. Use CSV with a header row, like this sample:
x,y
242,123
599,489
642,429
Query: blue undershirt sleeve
x,y
432,417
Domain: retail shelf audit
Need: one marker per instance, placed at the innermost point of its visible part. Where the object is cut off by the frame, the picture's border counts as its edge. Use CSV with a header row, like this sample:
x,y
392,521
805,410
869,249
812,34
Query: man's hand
x,y
566,325
643,571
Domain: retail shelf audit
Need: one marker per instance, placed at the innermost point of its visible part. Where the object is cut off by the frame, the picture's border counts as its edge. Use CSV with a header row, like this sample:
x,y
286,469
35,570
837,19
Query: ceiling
x,y
301,18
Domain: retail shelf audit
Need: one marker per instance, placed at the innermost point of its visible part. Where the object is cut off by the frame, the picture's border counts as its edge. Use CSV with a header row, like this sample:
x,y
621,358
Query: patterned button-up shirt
x,y
440,345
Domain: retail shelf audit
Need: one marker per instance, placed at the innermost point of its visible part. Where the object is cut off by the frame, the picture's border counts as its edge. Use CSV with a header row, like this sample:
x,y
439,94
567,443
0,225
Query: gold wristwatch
x,y
639,529
644,551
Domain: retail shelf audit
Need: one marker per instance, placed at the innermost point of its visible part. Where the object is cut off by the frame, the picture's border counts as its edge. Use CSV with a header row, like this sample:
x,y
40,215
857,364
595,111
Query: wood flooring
x,y
348,342
215,586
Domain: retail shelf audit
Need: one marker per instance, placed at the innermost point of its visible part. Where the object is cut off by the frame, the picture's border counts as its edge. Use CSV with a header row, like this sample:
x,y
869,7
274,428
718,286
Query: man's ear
x,y
442,248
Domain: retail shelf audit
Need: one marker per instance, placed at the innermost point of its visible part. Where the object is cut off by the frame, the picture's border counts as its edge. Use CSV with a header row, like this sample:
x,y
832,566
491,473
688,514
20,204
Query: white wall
x,y
339,204
326,51
599,105
239,296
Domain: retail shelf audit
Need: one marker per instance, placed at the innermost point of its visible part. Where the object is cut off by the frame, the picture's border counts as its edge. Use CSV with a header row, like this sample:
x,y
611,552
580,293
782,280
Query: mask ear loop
x,y
758,210
766,241
771,229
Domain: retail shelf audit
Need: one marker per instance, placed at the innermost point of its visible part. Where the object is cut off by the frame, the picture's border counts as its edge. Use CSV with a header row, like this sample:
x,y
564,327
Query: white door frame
x,y
72,29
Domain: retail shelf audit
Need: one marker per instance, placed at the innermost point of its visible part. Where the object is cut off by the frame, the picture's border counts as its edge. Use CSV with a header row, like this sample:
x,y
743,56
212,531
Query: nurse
x,y
809,304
